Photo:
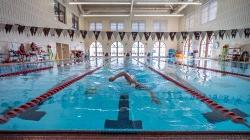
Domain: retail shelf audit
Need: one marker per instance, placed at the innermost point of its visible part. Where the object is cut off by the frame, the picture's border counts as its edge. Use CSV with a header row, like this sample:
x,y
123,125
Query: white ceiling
x,y
132,7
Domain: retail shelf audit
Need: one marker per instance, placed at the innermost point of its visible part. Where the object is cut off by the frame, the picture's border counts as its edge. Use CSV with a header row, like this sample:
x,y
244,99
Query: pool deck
x,y
77,135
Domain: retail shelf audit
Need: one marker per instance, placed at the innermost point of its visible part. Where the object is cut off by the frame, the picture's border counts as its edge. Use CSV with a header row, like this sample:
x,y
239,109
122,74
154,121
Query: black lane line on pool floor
x,y
44,97
123,121
237,117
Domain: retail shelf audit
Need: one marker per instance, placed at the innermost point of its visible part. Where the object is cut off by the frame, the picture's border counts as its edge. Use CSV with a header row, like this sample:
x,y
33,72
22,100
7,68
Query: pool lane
x,y
15,91
79,108
220,110
226,90
234,67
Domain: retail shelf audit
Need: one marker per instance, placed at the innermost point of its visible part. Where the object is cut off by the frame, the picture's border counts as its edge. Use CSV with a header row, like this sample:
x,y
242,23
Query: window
x,y
188,47
75,22
96,49
117,49
95,26
138,49
206,48
209,11
117,27
138,26
159,26
60,12
159,49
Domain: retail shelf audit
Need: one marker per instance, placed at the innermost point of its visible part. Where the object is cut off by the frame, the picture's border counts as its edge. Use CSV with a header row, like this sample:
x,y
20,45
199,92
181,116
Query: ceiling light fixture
x,y
105,15
100,3
168,3
161,15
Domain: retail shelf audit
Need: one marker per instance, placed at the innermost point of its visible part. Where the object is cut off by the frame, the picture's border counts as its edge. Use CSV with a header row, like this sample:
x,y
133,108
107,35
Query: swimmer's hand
x,y
156,101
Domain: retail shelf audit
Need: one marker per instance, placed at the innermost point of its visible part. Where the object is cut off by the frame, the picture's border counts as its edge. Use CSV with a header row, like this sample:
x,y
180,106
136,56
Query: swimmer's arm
x,y
153,97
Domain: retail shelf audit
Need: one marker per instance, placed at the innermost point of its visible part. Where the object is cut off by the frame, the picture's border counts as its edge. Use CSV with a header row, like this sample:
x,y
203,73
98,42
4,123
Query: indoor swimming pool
x,y
93,103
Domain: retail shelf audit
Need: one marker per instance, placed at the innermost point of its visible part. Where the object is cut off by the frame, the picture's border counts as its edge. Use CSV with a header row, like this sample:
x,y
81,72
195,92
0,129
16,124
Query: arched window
x,y
117,49
96,49
159,49
138,49
206,47
187,47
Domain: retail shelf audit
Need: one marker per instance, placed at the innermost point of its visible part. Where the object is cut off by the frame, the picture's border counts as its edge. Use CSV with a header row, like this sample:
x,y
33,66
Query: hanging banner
x,y
134,35
33,30
247,32
115,34
153,35
147,35
96,33
234,33
122,34
128,34
184,35
159,35
46,31
39,31
14,28
103,35
77,33
20,29
197,35
172,35
209,34
71,33
216,33
166,35
178,36
228,33
84,33
190,35
109,35
241,31
222,33
203,34
8,28
58,32
140,35
2,27
52,32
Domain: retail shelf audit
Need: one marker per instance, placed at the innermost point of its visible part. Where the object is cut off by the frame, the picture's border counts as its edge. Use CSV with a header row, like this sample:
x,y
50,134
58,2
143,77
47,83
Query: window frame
x,y
75,22
60,11
138,22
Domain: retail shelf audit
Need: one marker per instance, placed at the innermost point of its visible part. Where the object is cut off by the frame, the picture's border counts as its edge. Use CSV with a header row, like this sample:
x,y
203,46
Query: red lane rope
x,y
25,71
209,102
215,70
36,101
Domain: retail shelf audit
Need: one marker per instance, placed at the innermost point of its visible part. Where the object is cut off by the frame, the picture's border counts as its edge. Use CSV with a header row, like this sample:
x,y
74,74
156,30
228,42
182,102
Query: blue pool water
x,y
94,103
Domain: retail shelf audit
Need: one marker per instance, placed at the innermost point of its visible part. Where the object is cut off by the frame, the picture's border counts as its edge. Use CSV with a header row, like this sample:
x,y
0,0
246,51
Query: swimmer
x,y
135,84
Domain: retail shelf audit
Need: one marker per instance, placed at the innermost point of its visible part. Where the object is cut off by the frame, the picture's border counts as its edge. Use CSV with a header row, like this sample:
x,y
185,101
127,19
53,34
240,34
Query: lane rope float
x,y
42,98
209,102
25,72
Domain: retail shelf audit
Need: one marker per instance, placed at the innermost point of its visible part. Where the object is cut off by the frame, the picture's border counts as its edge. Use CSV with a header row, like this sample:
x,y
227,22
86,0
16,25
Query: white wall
x,y
231,14
38,13
171,25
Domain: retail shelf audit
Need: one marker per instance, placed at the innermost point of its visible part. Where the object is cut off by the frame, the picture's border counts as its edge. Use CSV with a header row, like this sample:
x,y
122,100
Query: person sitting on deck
x,y
135,84
22,53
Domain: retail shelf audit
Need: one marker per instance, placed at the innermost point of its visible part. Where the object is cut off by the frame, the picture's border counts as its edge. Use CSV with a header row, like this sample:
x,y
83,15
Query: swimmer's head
x,y
111,79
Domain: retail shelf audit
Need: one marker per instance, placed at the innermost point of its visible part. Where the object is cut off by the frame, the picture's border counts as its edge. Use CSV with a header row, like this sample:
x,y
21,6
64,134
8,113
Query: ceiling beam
x,y
131,8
